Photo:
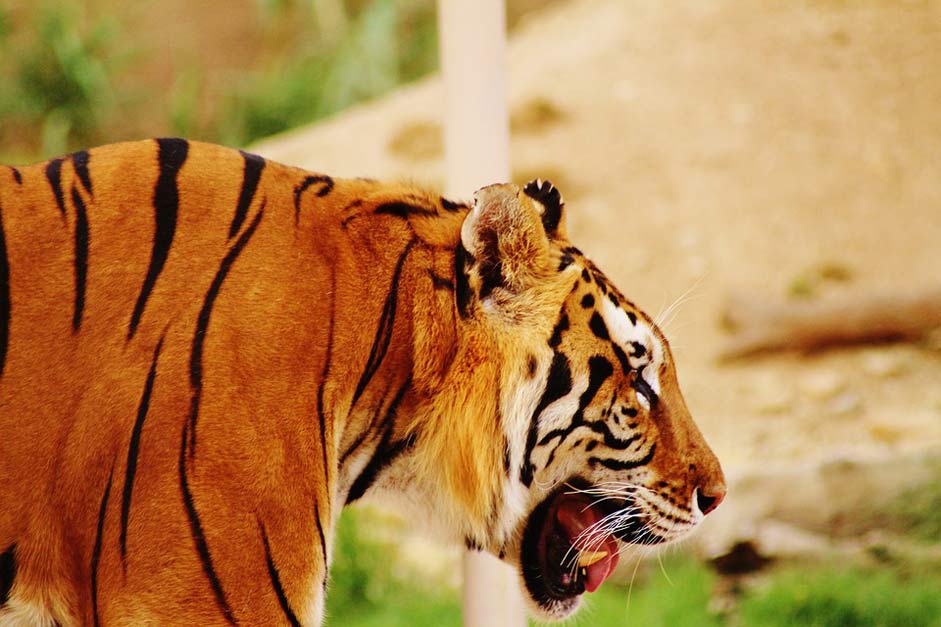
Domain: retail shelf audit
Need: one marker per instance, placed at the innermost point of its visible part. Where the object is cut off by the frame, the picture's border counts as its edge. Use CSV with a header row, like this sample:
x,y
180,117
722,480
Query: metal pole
x,y
472,35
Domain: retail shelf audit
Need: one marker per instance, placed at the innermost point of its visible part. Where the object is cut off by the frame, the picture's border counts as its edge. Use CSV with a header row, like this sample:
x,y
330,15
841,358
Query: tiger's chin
x,y
566,549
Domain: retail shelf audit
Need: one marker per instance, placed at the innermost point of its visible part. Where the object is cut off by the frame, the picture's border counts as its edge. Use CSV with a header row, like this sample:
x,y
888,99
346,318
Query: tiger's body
x,y
205,355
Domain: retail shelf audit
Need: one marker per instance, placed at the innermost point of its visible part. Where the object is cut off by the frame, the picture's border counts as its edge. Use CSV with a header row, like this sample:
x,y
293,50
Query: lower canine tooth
x,y
590,557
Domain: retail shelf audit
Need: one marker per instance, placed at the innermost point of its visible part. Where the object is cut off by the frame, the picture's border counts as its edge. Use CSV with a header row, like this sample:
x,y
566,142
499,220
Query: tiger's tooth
x,y
587,558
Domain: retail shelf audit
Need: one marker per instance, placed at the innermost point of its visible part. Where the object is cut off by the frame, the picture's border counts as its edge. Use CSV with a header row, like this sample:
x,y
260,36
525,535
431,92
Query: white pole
x,y
472,35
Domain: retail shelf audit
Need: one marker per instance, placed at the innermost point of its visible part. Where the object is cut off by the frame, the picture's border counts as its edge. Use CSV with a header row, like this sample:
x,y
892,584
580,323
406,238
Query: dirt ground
x,y
709,148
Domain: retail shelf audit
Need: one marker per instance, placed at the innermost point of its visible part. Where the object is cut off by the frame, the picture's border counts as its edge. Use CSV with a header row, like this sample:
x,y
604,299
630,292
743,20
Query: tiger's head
x,y
597,447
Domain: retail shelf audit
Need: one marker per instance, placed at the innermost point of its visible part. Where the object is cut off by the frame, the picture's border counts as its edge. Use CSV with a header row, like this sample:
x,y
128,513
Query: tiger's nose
x,y
709,497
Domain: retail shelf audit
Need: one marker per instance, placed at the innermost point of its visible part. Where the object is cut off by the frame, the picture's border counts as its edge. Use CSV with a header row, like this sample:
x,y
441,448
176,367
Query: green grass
x,y
676,595
917,511
844,598
912,514
368,589
403,610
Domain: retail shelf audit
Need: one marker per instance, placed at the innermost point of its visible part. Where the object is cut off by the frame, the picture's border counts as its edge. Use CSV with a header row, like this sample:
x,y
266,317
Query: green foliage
x,y
418,41
385,45
677,595
367,588
366,591
60,81
320,56
5,26
918,511
184,103
844,598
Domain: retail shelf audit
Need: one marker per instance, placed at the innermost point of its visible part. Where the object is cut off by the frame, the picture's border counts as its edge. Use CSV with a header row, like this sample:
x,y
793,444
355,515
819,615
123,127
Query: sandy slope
x,y
709,147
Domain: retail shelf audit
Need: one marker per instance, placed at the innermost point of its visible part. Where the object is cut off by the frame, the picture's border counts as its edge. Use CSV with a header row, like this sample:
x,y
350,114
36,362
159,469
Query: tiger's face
x,y
601,449
612,457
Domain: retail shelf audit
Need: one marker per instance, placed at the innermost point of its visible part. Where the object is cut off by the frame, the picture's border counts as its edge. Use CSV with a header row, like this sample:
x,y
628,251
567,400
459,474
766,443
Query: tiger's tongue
x,y
575,515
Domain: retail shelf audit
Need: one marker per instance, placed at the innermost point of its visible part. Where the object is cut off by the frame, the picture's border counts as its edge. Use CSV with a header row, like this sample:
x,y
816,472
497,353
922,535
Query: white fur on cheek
x,y
556,416
518,402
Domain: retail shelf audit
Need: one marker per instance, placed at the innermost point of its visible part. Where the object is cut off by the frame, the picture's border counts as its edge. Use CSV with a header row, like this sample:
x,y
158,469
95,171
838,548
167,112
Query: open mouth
x,y
570,545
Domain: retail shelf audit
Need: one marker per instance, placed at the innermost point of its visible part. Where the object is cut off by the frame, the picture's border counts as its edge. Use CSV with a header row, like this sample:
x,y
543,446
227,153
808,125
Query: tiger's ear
x,y
506,243
550,206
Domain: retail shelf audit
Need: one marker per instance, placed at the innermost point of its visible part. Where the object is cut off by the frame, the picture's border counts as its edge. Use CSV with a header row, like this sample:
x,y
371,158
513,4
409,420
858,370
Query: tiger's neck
x,y
431,438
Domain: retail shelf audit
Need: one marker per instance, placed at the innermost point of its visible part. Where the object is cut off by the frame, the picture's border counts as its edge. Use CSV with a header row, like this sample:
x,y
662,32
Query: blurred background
x,y
760,176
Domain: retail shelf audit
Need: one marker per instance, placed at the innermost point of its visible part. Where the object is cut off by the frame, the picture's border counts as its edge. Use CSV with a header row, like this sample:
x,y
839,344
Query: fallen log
x,y
757,325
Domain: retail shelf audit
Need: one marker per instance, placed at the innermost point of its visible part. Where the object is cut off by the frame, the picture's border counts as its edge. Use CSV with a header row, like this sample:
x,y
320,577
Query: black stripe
x,y
350,214
490,270
560,327
599,369
325,189
202,322
166,201
133,451
321,412
388,420
199,538
558,384
440,283
404,209
251,174
386,453
611,440
642,387
622,357
6,307
17,176
96,552
383,455
374,427
598,327
452,206
276,580
368,431
323,540
81,258
7,573
80,163
54,175
462,290
385,327
616,464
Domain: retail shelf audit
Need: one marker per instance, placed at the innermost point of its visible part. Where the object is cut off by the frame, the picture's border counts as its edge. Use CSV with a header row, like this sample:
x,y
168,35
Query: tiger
x,y
205,355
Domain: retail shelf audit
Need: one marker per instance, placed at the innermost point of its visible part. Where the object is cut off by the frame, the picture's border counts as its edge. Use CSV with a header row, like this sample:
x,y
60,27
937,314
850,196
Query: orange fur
x,y
175,453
